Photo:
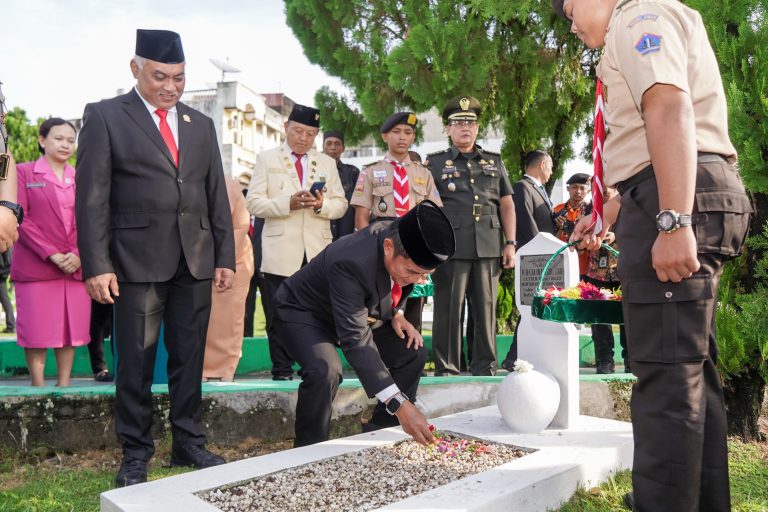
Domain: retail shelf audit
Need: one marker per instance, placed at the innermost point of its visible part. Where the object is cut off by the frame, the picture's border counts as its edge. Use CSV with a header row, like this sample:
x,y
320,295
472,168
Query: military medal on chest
x,y
451,186
382,206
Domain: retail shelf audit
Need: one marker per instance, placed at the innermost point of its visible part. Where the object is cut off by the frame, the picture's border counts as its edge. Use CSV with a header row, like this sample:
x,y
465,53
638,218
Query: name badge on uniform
x,y
36,185
380,174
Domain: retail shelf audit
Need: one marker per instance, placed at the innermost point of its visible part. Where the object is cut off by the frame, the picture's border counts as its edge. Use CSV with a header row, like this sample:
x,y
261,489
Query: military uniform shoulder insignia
x,y
494,153
437,153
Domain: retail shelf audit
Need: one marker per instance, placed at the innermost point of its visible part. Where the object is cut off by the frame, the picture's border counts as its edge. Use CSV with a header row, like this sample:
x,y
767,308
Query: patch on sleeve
x,y
643,17
648,43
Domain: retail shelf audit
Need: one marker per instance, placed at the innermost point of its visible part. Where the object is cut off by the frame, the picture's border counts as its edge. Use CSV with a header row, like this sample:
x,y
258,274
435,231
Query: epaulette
x,y
437,153
494,153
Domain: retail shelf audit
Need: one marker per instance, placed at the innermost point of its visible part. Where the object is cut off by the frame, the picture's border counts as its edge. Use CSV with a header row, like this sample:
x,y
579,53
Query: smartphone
x,y
316,187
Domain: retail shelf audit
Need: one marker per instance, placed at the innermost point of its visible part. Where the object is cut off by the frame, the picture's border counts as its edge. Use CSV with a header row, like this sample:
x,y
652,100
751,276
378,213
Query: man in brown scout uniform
x,y
683,212
378,195
477,198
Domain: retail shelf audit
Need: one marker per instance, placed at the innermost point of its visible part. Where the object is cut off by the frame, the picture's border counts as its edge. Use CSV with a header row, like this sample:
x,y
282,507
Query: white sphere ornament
x,y
528,399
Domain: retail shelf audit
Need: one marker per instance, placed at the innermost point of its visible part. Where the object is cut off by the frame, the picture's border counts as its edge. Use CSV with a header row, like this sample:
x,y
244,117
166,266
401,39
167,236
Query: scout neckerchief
x,y
400,188
597,157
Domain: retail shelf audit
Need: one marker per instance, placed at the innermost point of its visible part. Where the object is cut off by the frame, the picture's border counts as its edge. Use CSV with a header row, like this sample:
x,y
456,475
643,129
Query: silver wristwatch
x,y
669,221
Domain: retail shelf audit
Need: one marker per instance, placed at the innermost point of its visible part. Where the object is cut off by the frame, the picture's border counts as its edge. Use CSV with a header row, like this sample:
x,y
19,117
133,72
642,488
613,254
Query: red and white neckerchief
x,y
597,157
401,188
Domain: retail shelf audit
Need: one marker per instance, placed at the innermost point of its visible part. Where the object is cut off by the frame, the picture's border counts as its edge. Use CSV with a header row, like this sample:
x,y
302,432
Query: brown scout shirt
x,y
650,42
374,187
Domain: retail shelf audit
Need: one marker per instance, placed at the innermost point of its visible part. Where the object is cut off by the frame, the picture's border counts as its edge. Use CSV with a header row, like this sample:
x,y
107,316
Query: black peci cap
x,y
579,178
159,45
557,5
462,108
305,115
427,235
397,118
333,134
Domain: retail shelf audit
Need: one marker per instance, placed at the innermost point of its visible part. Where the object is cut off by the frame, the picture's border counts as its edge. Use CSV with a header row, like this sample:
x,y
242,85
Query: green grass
x,y
748,465
47,482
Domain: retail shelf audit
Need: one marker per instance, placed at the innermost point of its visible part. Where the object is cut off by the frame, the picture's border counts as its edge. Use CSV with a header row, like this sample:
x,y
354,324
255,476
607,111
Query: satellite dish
x,y
224,66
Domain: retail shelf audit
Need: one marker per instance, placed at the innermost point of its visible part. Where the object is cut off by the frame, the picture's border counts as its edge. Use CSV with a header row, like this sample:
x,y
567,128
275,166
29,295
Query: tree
x,y
738,31
22,135
534,80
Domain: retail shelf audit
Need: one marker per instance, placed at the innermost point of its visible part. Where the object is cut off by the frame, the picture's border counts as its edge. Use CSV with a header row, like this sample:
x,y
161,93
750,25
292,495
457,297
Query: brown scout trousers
x,y
678,414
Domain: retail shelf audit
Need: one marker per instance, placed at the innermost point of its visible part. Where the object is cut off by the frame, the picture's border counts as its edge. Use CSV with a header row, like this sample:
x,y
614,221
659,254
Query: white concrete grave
x,y
550,346
583,455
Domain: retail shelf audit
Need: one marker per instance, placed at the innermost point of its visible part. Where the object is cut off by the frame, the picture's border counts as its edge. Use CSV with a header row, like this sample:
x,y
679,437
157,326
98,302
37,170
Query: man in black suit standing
x,y
533,213
333,146
154,228
351,296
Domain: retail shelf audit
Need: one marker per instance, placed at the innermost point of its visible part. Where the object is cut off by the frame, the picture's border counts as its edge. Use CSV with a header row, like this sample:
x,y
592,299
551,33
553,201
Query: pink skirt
x,y
52,314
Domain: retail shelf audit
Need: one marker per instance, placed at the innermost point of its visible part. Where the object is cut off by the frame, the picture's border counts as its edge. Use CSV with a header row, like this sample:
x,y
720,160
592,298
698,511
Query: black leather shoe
x,y
194,455
282,377
508,365
132,472
103,376
627,367
605,368
629,501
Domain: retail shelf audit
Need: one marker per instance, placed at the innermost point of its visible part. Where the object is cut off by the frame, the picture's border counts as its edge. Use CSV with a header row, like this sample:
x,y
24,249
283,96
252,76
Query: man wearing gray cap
x,y
333,146
154,228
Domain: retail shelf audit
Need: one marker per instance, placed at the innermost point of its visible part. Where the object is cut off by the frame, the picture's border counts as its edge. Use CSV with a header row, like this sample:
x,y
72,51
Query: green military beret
x,y
557,5
462,108
397,118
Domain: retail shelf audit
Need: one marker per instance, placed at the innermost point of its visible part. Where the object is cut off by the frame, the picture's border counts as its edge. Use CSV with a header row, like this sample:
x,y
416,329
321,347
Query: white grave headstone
x,y
550,346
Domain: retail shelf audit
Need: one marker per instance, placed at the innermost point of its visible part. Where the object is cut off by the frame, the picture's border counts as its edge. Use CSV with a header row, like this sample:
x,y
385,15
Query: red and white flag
x,y
597,157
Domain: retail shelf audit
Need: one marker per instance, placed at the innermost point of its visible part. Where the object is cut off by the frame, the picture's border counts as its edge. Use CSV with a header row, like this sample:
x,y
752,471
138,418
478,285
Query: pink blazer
x,y
43,231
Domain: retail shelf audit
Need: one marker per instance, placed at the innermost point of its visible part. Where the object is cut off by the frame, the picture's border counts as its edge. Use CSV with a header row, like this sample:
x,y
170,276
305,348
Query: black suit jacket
x,y
136,212
533,211
348,175
346,291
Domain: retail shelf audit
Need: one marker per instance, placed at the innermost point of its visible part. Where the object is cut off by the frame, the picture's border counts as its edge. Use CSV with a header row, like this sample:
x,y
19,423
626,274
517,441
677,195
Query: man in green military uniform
x,y
477,199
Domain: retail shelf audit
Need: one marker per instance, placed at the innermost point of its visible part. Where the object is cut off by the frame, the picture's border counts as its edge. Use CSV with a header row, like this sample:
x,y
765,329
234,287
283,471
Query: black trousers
x,y
678,413
183,306
5,301
321,374
257,283
281,362
478,281
602,334
101,328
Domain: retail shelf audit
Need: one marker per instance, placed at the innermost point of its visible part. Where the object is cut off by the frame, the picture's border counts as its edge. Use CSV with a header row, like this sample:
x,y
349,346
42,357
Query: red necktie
x,y
400,190
397,292
167,135
597,156
299,167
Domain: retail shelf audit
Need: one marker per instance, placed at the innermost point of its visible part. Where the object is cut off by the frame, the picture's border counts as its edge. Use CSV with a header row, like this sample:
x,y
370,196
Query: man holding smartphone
x,y
297,222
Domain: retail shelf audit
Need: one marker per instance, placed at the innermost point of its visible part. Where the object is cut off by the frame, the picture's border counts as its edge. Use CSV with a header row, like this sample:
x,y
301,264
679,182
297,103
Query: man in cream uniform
x,y
297,225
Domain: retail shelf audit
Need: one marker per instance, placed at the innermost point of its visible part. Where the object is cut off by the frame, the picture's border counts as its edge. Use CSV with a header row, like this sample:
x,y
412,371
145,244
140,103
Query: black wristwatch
x,y
17,210
511,242
669,221
393,404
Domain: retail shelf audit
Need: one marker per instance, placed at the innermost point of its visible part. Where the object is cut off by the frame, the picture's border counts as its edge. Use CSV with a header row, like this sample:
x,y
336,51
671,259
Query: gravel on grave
x,y
363,480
